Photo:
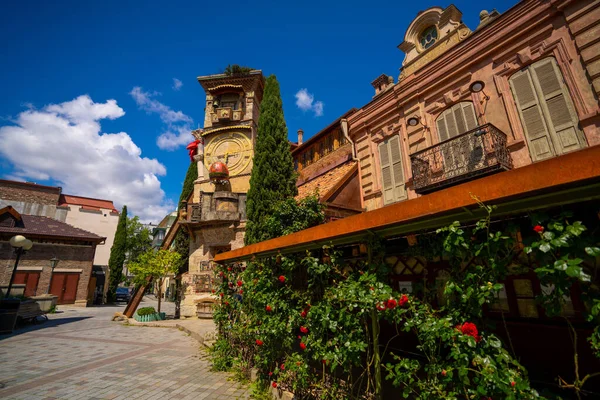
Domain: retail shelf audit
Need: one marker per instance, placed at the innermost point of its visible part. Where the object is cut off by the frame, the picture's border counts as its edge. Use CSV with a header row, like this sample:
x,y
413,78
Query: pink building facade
x,y
520,88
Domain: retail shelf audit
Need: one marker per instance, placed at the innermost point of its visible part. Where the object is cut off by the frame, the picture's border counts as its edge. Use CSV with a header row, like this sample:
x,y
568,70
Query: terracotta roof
x,y
87,202
35,225
322,132
325,182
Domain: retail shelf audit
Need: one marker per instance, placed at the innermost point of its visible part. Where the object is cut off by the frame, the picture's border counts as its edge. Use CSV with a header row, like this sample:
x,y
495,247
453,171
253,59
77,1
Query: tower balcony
x,y
225,114
479,152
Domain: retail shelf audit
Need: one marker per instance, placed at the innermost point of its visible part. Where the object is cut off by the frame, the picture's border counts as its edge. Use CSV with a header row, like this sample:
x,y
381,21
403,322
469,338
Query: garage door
x,y
64,285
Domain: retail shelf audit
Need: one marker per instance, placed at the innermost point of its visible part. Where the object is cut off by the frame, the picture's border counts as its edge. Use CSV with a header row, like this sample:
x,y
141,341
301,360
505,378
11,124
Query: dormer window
x,y
428,37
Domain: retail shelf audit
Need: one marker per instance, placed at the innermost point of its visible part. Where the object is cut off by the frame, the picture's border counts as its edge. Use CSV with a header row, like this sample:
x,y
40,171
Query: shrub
x,y
146,311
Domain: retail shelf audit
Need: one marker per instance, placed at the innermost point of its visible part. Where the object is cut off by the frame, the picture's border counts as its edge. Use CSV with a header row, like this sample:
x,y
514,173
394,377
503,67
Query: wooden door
x,y
29,279
64,285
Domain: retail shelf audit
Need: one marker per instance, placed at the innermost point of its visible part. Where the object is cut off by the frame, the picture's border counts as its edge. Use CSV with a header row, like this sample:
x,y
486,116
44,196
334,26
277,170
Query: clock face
x,y
233,149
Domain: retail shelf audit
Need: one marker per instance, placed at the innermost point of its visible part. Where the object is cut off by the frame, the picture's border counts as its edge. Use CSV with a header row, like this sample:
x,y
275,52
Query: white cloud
x,y
306,101
177,84
64,142
179,125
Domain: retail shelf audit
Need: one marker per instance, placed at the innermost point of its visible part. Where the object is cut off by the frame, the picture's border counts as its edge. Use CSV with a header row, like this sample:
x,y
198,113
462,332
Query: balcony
x,y
471,155
226,114
216,208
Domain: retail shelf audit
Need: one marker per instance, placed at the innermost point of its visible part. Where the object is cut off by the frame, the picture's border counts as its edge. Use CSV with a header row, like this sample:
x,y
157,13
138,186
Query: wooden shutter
x,y
469,114
534,124
560,113
397,169
386,173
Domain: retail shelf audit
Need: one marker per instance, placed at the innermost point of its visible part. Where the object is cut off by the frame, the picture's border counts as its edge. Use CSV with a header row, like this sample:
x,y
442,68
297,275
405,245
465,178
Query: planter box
x,y
150,317
46,301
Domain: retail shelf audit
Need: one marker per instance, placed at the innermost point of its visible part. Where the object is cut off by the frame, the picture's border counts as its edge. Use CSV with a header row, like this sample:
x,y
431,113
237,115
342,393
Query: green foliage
x,y
234,69
289,216
156,264
146,311
310,321
273,177
118,253
188,184
139,239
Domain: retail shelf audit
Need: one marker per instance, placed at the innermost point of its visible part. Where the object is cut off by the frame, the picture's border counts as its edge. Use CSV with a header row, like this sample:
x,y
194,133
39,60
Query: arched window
x,y
546,110
428,37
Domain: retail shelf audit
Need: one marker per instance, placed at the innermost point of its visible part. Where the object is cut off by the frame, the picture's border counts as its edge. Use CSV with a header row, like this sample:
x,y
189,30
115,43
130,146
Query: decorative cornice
x,y
224,128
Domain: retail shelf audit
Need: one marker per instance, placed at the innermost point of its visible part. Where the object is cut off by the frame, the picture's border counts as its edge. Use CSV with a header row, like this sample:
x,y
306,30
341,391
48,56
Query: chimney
x,y
300,134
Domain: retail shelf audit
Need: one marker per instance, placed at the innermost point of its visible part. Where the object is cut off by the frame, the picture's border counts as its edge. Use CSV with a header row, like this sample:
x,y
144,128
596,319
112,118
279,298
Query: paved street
x,y
81,354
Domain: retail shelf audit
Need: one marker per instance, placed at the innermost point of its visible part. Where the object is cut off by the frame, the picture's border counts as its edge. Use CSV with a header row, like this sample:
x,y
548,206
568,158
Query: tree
x,y
117,256
156,264
273,177
235,69
139,239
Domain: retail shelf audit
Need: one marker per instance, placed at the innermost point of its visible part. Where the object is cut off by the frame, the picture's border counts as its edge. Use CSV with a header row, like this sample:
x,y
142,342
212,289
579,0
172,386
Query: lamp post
x,y
53,263
20,245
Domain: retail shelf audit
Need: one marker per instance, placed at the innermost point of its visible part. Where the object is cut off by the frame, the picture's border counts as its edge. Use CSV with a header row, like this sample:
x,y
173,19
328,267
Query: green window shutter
x,y
397,169
530,111
557,105
386,173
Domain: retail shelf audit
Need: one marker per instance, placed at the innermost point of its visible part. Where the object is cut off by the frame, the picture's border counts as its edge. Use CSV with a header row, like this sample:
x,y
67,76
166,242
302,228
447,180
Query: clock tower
x,y
215,215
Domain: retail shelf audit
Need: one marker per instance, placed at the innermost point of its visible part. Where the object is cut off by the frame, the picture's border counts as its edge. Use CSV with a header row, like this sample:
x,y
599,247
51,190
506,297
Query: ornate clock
x,y
234,149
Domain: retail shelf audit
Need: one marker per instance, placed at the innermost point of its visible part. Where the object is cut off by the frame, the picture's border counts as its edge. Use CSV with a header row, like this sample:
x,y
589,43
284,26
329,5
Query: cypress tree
x,y
117,256
273,177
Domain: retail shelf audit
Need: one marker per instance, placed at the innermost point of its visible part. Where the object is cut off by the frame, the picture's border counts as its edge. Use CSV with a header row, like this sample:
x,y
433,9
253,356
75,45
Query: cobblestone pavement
x,y
80,354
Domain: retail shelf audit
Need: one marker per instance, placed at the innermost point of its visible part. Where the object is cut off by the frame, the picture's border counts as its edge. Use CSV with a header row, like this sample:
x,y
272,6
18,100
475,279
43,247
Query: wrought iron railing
x,y
478,152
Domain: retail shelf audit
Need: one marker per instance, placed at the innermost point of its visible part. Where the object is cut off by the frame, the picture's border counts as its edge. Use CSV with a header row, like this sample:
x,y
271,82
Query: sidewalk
x,y
203,330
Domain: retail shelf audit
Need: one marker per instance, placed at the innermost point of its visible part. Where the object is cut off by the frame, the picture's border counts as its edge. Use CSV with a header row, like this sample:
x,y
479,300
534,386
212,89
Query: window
x,y
392,173
428,37
454,121
546,110
229,100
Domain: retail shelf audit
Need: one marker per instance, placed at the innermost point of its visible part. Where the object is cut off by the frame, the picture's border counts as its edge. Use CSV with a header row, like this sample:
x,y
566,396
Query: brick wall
x,y
29,198
71,256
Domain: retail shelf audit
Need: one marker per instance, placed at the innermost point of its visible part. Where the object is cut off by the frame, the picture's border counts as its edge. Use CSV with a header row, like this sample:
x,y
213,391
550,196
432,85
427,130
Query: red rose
x,y
403,300
391,304
270,374
371,288
299,337
324,362
212,291
275,384
283,367
221,274
221,294
241,291
229,269
538,228
381,306
259,342
298,363
240,283
513,383
281,278
268,308
226,303
303,346
303,314
469,328
303,329
444,373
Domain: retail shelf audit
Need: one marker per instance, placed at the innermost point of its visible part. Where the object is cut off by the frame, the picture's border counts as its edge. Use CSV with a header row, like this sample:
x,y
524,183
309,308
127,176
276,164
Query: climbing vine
x,y
312,323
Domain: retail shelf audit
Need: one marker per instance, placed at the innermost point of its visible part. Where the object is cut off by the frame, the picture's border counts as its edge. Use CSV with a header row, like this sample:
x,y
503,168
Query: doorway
x,y
64,285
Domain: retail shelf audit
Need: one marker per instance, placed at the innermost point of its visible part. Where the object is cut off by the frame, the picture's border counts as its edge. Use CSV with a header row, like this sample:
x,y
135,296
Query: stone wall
x,y
71,256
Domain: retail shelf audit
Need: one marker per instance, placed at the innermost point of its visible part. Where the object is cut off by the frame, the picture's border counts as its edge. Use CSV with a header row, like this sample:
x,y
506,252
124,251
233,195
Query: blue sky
x,y
123,58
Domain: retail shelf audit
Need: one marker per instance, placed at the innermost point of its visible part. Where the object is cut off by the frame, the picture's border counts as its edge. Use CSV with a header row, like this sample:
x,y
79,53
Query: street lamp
x,y
20,245
53,263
